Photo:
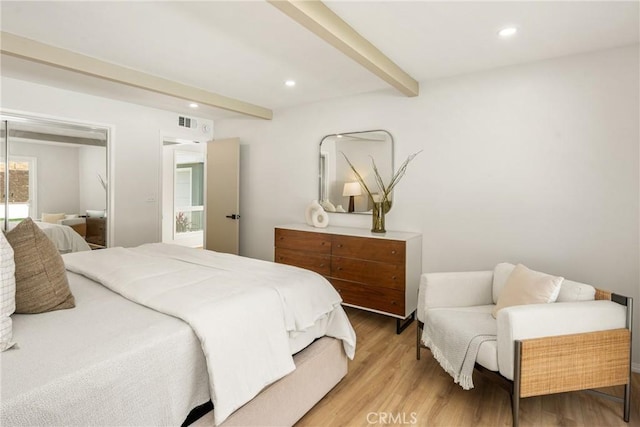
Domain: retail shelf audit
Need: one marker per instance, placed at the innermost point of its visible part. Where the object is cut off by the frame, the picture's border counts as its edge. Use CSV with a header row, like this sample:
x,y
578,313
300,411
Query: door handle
x,y
233,216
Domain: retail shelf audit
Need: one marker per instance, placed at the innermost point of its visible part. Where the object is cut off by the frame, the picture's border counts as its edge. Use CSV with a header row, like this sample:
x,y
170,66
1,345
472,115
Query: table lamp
x,y
351,189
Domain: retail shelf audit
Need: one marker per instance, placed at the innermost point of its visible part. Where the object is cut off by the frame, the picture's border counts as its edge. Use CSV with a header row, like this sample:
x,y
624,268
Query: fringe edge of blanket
x,y
465,381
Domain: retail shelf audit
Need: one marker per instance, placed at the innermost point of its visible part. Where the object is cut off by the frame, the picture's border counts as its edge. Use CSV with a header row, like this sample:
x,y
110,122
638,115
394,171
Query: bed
x,y
161,329
64,237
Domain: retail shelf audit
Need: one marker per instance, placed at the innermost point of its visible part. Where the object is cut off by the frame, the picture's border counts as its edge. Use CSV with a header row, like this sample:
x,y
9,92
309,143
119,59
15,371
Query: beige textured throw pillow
x,y
526,286
52,218
41,279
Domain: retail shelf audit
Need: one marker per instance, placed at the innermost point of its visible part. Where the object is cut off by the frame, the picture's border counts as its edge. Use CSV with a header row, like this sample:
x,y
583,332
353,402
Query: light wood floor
x,y
386,380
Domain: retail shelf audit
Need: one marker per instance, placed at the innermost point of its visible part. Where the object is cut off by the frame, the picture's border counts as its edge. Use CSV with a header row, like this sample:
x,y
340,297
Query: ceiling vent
x,y
186,122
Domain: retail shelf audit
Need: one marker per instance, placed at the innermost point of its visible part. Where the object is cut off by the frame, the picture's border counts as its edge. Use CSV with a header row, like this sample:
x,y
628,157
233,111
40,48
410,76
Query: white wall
x,y
535,164
92,161
56,175
135,185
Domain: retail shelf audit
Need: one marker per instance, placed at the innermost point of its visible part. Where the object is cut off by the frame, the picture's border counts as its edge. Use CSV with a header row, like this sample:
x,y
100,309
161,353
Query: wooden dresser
x,y
379,273
96,230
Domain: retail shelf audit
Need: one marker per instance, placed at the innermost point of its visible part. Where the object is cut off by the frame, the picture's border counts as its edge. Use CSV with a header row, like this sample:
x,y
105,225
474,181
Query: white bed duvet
x,y
107,362
64,237
244,311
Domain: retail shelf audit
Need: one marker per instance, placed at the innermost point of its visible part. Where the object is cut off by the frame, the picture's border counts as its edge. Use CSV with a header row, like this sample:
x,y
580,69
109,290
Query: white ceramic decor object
x,y
319,218
312,207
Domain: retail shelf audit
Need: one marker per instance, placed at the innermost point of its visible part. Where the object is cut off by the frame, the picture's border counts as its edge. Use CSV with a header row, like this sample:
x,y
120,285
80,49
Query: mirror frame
x,y
322,166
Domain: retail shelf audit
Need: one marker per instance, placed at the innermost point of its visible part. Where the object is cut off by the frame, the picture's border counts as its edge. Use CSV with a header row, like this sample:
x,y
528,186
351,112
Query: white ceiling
x,y
247,49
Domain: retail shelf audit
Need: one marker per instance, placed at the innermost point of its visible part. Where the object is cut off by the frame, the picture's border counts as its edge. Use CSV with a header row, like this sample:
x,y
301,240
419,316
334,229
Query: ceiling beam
x,y
11,44
318,18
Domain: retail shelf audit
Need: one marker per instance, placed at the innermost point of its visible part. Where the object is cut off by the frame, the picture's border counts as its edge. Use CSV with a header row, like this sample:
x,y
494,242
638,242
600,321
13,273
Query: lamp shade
x,y
351,189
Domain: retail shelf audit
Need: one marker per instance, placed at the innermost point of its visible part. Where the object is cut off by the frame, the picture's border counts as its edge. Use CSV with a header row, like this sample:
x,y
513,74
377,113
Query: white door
x,y
223,196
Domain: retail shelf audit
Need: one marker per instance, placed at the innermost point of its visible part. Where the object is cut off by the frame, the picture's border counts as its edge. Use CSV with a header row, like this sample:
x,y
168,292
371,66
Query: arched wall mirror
x,y
57,176
339,188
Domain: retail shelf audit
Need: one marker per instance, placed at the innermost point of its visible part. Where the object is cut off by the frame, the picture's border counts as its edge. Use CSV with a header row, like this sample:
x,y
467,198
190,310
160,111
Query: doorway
x,y
183,192
200,193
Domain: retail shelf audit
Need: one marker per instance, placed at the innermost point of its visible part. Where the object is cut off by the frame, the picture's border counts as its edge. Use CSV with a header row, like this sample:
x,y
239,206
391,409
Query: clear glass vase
x,y
378,218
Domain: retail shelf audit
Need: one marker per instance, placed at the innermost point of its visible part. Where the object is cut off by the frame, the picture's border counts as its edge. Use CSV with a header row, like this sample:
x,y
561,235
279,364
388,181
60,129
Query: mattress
x,y
108,361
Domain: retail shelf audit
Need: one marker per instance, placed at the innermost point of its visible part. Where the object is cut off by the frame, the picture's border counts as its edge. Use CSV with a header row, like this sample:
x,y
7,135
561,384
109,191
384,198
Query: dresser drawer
x,y
303,241
311,261
381,250
372,273
382,299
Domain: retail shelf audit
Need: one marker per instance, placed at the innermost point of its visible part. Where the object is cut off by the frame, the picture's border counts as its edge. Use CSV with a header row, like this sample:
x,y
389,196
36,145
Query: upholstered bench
x,y
538,333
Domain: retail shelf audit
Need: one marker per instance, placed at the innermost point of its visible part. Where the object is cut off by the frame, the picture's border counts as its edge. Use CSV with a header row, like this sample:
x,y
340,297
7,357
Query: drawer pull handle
x,y
322,265
393,252
339,245
393,277
322,243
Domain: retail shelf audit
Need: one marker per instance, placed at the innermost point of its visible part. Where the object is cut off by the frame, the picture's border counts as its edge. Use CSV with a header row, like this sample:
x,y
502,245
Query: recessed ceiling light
x,y
193,105
290,83
507,32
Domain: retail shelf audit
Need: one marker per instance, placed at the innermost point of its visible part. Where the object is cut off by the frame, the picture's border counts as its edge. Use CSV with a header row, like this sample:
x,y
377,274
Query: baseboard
x,y
635,367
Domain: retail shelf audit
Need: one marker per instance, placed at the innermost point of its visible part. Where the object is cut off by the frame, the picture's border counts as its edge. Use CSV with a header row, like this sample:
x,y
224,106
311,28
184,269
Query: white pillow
x,y
571,291
526,286
7,292
52,218
500,275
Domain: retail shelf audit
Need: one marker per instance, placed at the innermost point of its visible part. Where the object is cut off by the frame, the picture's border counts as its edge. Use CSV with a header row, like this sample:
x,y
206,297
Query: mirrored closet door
x,y
56,174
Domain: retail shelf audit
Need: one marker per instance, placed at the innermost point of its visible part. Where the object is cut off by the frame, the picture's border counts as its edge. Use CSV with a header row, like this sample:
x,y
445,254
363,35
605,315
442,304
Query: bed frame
x,y
319,367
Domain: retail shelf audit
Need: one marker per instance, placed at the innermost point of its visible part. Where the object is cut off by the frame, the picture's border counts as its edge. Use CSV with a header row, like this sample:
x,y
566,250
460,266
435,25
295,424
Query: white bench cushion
x,y
488,351
488,355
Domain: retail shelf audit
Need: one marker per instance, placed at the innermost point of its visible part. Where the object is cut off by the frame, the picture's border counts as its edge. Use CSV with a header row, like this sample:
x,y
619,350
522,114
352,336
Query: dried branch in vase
x,y
384,190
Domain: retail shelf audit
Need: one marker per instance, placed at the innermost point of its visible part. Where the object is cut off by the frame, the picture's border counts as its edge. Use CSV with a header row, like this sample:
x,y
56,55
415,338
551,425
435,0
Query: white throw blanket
x,y
454,338
240,309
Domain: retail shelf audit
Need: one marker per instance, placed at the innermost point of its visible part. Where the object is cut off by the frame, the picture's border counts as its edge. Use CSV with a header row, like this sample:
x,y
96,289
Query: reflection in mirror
x,y
57,176
339,190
